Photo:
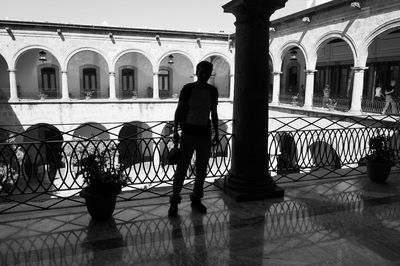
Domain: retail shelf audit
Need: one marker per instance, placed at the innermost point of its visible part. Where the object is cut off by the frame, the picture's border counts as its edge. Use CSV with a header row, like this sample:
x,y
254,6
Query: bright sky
x,y
190,15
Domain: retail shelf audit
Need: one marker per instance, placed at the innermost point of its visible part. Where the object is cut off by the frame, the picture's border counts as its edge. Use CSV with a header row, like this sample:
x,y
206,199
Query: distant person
x,y
326,95
196,101
389,94
378,92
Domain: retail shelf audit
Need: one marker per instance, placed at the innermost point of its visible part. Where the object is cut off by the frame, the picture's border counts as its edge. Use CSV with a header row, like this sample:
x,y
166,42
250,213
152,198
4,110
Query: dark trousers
x,y
189,144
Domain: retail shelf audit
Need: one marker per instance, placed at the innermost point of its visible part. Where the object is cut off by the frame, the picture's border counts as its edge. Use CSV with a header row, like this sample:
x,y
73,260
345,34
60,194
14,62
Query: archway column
x,y
64,85
13,85
113,93
249,177
358,85
156,94
276,87
309,93
231,86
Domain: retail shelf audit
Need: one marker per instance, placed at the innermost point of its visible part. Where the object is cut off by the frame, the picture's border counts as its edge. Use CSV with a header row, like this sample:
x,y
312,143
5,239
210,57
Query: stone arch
x,y
135,144
82,49
221,74
323,154
325,39
35,78
21,51
227,59
121,54
291,44
370,37
182,72
74,66
142,75
166,54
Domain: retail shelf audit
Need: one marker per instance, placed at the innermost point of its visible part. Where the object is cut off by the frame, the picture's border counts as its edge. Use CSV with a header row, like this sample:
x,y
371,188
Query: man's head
x,y
203,71
392,82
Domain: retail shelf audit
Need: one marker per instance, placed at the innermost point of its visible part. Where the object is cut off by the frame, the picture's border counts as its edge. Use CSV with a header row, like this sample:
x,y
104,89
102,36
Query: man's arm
x,y
214,120
178,120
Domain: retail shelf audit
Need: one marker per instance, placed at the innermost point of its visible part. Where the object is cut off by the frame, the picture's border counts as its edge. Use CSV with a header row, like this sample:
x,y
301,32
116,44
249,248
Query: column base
x,y
248,189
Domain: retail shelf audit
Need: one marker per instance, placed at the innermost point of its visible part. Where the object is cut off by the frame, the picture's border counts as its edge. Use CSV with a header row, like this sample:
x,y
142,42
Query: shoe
x,y
198,206
173,210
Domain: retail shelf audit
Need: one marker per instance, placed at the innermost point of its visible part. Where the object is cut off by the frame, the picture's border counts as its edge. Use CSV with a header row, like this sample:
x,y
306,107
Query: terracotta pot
x,y
100,207
378,171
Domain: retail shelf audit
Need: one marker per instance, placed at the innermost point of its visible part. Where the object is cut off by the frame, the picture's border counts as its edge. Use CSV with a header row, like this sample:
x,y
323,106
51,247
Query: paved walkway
x,y
336,222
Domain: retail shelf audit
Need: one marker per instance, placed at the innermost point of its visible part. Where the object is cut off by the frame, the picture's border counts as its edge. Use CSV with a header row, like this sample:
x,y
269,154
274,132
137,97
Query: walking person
x,y
197,101
389,94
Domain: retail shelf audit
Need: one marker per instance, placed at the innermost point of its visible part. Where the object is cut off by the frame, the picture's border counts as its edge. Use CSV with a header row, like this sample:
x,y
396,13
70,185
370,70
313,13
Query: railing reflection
x,y
214,238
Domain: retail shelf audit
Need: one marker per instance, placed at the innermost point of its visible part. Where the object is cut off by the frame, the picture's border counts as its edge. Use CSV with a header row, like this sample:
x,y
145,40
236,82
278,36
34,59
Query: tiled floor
x,y
353,222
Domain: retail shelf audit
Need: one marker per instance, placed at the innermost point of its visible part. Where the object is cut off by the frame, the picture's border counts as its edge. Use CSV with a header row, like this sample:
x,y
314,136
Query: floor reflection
x,y
340,223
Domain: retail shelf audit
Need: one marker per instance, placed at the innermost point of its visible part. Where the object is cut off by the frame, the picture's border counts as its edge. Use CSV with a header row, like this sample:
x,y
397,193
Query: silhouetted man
x,y
196,101
389,98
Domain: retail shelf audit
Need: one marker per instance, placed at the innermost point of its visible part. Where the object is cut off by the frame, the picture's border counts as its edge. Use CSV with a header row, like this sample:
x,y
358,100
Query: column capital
x,y
310,71
245,10
111,73
155,73
64,72
11,70
359,69
277,73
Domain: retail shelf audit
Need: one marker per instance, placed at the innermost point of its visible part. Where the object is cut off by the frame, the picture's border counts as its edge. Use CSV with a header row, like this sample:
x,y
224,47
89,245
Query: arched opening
x,y
334,74
174,72
4,80
38,75
324,155
220,76
91,130
135,145
134,76
43,153
383,66
293,77
88,76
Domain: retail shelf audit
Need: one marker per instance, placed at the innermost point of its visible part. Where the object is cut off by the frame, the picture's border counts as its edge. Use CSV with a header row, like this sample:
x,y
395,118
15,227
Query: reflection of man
x,y
196,101
389,93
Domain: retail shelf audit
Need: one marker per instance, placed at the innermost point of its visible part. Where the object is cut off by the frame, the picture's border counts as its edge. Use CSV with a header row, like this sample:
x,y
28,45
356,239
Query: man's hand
x,y
176,137
215,140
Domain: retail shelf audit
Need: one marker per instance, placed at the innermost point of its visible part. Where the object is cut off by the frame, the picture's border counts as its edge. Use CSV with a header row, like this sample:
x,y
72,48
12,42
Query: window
x,y
89,79
128,79
48,75
163,80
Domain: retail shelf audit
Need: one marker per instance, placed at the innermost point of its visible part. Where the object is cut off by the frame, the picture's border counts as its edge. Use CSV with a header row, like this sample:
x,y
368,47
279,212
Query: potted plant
x,y
380,160
331,104
95,162
88,94
295,100
42,96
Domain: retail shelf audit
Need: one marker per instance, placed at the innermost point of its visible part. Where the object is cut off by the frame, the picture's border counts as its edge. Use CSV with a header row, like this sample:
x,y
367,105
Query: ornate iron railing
x,y
376,106
41,163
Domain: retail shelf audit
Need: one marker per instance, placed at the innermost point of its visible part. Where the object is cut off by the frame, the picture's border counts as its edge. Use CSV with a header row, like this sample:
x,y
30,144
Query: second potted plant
x,y
380,160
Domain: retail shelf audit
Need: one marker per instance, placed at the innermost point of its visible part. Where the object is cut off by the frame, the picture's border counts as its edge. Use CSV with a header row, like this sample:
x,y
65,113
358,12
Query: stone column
x,y
113,93
248,177
309,93
276,87
357,89
231,87
64,85
13,85
156,92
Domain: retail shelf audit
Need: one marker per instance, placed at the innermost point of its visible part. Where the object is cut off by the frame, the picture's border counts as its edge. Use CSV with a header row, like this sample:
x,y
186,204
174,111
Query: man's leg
x,y
387,102
203,152
187,148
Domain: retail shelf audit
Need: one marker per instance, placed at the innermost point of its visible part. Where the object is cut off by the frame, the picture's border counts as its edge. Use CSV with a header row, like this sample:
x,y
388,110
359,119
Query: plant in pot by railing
x,y
88,93
381,158
42,95
295,99
95,160
10,165
331,104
